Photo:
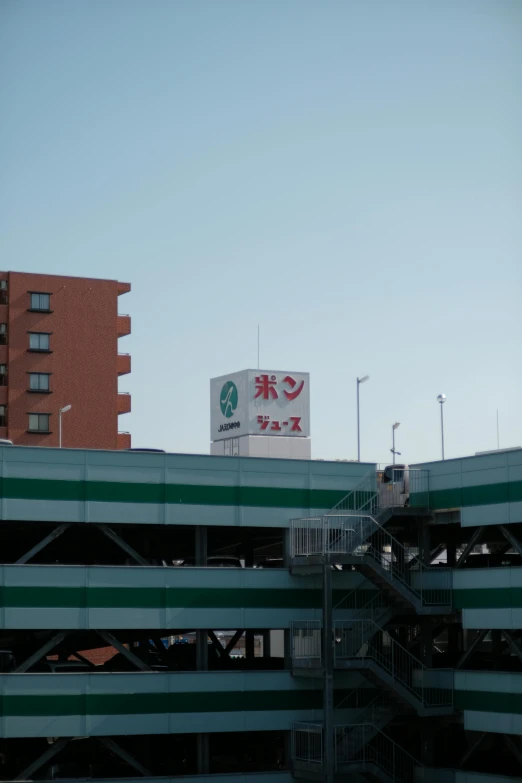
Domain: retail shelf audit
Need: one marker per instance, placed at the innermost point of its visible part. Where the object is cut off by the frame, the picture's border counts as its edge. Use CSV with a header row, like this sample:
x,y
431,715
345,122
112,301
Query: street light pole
x,y
60,411
394,427
359,381
442,399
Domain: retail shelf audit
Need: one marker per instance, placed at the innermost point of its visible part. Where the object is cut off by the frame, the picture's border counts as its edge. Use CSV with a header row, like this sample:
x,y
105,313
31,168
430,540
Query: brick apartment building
x,y
59,347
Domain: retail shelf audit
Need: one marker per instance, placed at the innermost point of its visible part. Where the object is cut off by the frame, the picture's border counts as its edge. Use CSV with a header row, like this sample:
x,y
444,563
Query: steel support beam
x,y
160,649
471,749
224,652
436,551
479,638
81,658
454,638
49,645
451,548
328,663
287,555
287,646
115,538
46,756
203,754
473,541
202,651
215,643
125,756
43,543
250,650
515,646
508,535
201,545
515,747
266,644
425,543
233,641
113,642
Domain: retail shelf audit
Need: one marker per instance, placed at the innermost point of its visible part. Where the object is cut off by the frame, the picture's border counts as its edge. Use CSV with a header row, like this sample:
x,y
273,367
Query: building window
x,y
3,415
40,302
3,374
39,422
39,341
39,381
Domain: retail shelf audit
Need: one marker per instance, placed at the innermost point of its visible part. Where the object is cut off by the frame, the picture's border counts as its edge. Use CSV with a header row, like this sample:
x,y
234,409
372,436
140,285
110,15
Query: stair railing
x,y
363,499
363,538
306,644
369,608
363,640
367,712
366,745
307,744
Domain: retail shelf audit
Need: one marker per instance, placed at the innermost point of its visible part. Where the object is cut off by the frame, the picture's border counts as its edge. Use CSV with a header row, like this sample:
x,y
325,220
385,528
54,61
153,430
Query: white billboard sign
x,y
260,402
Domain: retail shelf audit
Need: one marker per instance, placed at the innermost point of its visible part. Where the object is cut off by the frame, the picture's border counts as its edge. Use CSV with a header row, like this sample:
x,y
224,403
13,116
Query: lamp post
x,y
359,381
60,411
394,427
442,399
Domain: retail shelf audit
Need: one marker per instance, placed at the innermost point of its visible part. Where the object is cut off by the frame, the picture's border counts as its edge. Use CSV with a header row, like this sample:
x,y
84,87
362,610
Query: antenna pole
x,y
498,436
258,366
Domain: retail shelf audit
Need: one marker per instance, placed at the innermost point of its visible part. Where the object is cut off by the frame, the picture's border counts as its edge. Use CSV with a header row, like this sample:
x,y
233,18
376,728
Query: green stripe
x,y
488,598
147,703
486,701
461,497
143,703
188,494
228,598
162,598
225,701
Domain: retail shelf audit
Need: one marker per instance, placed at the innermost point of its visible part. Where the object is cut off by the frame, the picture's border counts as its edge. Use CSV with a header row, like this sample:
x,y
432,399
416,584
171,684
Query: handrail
x,y
363,639
357,744
360,497
375,599
380,700
367,498
306,635
361,536
380,750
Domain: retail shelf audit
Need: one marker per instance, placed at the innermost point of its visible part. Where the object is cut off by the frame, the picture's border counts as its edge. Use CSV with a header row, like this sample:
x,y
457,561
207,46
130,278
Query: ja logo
x,y
228,399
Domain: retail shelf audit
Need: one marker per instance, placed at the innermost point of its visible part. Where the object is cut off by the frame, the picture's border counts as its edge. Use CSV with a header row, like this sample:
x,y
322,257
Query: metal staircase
x,y
379,609
306,637
353,534
364,748
377,713
355,539
392,566
363,645
363,499
359,748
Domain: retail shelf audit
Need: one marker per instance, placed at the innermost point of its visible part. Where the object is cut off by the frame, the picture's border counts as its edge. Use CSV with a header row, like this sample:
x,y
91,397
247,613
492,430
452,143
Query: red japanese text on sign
x,y
292,383
277,426
265,387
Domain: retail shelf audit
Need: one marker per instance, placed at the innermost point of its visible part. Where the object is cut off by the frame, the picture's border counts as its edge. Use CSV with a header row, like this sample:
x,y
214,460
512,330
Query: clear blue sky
x,y
347,173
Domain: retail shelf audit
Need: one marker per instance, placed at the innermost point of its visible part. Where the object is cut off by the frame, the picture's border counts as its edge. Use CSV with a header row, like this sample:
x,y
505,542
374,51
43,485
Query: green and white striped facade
x,y
486,489
114,488
167,489
71,705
